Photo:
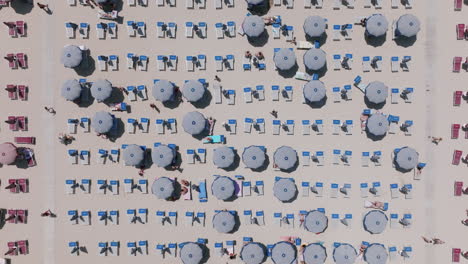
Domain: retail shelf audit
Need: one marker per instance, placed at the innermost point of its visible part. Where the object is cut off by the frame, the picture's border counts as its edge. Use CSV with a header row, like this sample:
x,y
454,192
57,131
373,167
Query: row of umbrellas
x,y
163,90
161,155
286,253
314,26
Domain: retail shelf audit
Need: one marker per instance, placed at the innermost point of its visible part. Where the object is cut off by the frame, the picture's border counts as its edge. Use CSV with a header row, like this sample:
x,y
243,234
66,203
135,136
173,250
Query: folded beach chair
x,y
143,63
457,97
457,61
69,30
172,28
457,154
160,31
395,63
100,31
231,97
276,127
84,30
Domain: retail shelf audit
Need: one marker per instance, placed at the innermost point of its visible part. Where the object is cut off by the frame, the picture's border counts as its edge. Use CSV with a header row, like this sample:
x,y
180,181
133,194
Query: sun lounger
x,y
102,249
458,5
22,122
85,186
248,122
395,4
408,127
84,157
248,95
276,127
113,250
375,189
337,62
231,97
336,95
406,63
102,62
457,61
74,248
460,31
219,26
160,2
13,64
12,92
456,252
84,30
114,217
130,60
394,191
131,216
160,31
112,30
102,217
113,63
455,131
336,32
246,64
457,97
69,30
172,28
348,32
73,216
408,95
289,32
336,156
232,126
290,127
288,93
395,63
219,63
307,3
306,127
131,2
101,186
162,64
114,155
189,63
114,187
189,26
22,60
131,249
336,127
305,158
189,4
85,218
143,63
337,4
246,188
395,95
128,185
101,156
457,154
131,125
100,31
70,186
142,215
364,190
23,92
394,221
458,186
73,156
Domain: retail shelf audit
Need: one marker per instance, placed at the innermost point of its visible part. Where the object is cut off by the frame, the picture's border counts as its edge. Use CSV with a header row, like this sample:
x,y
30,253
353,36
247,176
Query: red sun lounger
x,y
12,182
11,217
12,64
457,97
458,5
12,249
25,140
460,31
23,92
20,28
455,131
22,123
21,216
457,64
458,188
14,126
456,255
12,29
23,247
13,94
22,60
23,185
457,154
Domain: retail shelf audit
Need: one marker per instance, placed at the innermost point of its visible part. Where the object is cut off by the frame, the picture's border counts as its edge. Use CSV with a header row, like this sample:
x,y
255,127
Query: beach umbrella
x,y
191,253
315,59
254,2
223,188
223,157
163,188
376,25
285,189
344,254
71,56
285,157
315,222
101,90
284,59
224,222
8,153
193,90
71,90
376,92
377,124
163,90
408,25
253,157
407,158
162,155
314,26
133,155
375,254
102,122
283,253
314,91
253,26
194,123
375,222
253,253
314,254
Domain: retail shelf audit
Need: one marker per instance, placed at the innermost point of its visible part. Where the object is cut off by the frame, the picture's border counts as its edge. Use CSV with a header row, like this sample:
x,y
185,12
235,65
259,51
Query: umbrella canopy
x,y
314,26
163,155
285,189
102,122
191,253
224,222
316,222
285,157
376,25
253,253
407,158
253,157
193,90
163,188
315,59
408,25
253,26
194,123
255,2
223,188
8,153
283,253
377,124
375,222
223,157
314,91
71,90
71,56
284,59
375,254
101,90
133,155
163,90
315,254
344,254
376,92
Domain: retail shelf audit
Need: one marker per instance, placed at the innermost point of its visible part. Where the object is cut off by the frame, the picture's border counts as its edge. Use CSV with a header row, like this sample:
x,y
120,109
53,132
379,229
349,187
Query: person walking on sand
x,y
153,106
436,140
274,113
217,78
50,110
43,7
48,213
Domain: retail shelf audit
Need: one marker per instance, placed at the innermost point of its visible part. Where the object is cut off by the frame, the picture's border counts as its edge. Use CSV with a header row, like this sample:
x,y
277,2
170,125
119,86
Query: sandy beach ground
x,y
434,210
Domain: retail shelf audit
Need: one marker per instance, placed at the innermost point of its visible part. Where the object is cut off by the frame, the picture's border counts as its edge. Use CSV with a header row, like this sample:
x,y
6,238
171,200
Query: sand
x,y
435,212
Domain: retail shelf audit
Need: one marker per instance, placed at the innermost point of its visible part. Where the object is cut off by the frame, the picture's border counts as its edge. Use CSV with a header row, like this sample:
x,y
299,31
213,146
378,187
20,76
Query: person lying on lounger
x,y
374,205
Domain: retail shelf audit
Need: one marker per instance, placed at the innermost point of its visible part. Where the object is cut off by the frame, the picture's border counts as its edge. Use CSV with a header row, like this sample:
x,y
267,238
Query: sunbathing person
x,y
374,205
